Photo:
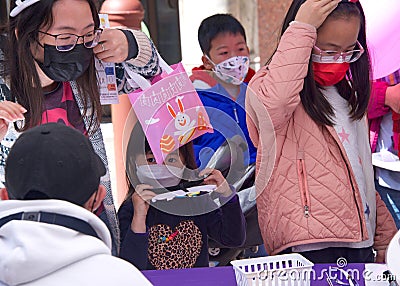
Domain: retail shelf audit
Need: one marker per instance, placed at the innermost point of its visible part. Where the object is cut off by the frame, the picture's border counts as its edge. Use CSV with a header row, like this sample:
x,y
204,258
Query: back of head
x,y
53,161
215,25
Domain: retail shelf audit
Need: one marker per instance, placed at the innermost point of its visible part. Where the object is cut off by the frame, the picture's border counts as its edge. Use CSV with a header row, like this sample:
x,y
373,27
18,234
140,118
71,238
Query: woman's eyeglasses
x,y
66,42
323,56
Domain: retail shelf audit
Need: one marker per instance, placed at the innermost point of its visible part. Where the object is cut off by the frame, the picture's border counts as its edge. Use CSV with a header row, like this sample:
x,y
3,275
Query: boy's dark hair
x,y
314,103
217,24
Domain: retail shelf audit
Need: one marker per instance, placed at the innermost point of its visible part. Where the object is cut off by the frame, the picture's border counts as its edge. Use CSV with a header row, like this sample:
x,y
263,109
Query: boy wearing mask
x,y
221,84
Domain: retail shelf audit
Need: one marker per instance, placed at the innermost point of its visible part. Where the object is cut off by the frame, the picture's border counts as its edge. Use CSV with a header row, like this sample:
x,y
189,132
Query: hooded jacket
x,y
38,253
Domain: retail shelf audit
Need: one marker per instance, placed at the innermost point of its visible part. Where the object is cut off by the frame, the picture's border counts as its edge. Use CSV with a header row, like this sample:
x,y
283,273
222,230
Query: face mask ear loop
x,y
208,58
94,200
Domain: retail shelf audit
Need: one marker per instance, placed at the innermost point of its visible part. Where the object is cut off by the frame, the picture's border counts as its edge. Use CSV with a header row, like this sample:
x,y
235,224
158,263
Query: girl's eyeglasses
x,y
66,42
323,56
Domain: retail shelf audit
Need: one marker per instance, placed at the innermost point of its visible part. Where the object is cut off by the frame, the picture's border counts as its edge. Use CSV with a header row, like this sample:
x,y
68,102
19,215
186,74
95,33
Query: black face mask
x,y
65,66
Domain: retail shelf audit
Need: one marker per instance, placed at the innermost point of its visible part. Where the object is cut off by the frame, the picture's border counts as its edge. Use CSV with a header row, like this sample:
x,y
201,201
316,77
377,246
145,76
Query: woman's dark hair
x,y
357,93
216,25
138,144
19,70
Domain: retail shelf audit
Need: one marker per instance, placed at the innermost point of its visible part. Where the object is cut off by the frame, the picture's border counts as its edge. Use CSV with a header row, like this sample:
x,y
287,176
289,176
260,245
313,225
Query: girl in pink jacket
x,y
306,116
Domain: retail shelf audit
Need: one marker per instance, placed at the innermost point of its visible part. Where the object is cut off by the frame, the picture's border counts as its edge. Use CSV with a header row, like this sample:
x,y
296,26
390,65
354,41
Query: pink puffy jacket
x,y
307,191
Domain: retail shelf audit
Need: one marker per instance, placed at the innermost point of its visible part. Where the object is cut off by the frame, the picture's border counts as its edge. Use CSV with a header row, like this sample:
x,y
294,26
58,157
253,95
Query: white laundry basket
x,y
279,270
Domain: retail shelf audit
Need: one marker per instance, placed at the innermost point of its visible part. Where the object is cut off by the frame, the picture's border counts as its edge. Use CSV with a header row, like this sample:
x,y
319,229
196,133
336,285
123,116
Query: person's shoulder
x,y
110,270
121,272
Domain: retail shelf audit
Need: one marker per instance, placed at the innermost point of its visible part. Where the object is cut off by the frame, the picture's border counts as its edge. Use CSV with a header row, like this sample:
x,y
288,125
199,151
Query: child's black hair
x,y
357,94
138,144
215,25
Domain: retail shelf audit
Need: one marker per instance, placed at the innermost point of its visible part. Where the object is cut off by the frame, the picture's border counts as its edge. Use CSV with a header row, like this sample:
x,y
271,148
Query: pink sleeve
x,y
377,107
278,85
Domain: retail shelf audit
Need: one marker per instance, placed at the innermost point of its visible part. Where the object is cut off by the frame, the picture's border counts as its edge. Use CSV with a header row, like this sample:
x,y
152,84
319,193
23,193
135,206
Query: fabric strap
x,y
53,218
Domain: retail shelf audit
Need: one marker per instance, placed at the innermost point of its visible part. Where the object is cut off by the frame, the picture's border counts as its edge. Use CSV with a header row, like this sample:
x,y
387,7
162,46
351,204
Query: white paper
x,y
179,193
386,160
106,73
373,274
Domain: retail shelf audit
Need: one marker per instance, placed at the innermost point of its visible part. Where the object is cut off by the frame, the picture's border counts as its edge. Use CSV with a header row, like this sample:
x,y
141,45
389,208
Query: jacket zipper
x,y
301,172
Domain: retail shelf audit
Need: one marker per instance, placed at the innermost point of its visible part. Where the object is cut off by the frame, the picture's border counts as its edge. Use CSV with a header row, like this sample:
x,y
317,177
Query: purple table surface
x,y
225,276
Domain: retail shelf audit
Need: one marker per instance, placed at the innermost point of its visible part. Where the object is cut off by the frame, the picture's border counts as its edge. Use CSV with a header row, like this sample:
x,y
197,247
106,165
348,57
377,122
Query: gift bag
x,y
169,109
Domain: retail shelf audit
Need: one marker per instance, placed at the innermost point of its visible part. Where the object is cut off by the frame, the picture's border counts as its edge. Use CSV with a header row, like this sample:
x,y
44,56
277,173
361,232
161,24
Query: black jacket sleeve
x,y
133,245
227,225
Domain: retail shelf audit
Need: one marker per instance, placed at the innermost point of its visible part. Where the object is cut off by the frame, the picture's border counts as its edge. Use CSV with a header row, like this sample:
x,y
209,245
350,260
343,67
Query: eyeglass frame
x,y
95,30
341,55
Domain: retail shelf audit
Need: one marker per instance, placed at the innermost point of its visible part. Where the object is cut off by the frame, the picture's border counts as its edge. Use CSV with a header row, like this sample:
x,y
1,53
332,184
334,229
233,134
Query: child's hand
x,y
140,200
9,112
214,177
314,12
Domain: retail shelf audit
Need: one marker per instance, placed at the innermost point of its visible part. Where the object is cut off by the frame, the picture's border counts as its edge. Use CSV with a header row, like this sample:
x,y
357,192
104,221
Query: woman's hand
x,y
314,12
112,47
214,177
9,112
392,97
140,200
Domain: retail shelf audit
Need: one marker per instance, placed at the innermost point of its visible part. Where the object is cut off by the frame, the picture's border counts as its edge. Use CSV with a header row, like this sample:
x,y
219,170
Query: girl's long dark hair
x,y
19,70
357,92
138,144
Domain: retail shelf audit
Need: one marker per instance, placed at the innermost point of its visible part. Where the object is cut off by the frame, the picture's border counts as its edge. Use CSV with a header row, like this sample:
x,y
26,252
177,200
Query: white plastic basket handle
x,y
140,80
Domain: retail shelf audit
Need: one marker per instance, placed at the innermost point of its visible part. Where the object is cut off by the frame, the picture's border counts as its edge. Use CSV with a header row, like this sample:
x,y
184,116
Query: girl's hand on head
x,y
112,47
214,177
140,199
314,12
9,112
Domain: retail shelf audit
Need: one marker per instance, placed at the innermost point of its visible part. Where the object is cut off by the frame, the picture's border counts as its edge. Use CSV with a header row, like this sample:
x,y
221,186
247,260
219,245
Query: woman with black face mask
x,y
47,73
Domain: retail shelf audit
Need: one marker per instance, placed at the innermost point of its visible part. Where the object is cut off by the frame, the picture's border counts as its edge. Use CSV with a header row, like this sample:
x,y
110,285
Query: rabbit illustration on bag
x,y
183,123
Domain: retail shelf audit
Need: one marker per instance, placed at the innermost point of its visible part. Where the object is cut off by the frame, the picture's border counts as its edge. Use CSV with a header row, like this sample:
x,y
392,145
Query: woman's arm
x,y
130,49
143,62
